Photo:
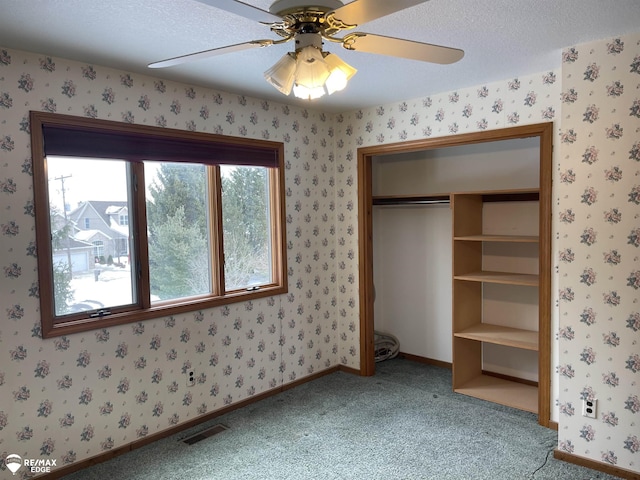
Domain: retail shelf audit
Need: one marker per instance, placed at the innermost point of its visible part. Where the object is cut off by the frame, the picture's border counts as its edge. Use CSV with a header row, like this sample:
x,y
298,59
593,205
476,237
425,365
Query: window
x,y
246,227
98,248
181,221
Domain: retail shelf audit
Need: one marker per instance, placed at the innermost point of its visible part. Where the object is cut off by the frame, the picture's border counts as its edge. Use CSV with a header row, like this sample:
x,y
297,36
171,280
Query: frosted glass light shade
x,y
307,93
281,75
311,69
340,74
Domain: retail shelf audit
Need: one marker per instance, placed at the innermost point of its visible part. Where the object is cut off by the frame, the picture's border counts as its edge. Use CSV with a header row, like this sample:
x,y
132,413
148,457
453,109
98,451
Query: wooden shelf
x,y
504,278
499,335
520,193
500,238
505,392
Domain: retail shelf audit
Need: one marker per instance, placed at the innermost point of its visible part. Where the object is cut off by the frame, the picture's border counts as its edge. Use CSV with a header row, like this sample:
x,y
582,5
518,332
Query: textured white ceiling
x,y
501,39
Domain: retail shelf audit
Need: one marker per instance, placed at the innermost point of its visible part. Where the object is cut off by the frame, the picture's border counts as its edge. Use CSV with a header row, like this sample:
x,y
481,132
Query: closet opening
x,y
458,195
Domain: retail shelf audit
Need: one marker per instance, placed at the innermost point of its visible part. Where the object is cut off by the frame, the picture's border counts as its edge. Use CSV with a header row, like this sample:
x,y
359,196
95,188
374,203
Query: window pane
x,y
246,225
178,230
90,247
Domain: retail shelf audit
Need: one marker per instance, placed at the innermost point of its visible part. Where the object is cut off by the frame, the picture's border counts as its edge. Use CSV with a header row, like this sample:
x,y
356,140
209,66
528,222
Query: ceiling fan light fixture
x,y
282,74
310,73
308,93
341,73
311,69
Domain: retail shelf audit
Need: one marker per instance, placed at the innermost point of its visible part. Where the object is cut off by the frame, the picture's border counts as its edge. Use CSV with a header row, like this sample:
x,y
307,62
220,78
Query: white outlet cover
x,y
589,408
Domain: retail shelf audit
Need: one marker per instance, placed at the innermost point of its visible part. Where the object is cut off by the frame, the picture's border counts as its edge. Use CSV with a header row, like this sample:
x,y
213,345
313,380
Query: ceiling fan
x,y
310,71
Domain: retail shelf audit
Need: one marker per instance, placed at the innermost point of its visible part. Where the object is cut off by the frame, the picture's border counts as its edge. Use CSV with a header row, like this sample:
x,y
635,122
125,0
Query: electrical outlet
x,y
589,408
191,378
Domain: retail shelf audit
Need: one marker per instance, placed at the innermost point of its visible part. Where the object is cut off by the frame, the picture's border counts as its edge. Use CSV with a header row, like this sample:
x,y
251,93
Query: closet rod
x,y
432,200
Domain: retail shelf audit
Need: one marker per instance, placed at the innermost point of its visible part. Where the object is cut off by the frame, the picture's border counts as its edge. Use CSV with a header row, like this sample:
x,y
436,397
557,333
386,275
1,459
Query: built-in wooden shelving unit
x,y
471,331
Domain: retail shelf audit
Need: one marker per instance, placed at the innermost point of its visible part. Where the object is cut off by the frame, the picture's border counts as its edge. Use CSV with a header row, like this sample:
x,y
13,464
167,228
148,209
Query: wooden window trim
x,y
144,310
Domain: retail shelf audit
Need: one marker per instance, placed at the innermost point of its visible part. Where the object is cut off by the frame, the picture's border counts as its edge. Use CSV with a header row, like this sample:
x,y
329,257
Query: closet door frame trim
x,y
544,131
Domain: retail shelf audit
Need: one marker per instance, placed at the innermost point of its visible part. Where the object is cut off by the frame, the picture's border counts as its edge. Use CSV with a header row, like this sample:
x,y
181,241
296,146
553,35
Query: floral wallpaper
x,y
71,398
598,250
74,397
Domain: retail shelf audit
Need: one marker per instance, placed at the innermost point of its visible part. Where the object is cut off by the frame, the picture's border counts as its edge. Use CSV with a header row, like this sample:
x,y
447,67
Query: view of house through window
x,y
90,246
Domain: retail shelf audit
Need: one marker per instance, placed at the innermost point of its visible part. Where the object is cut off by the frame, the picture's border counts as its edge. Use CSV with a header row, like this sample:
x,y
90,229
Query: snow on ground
x,y
112,287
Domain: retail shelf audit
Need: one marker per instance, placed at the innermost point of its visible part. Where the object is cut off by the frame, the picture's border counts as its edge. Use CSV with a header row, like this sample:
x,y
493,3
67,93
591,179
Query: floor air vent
x,y
205,434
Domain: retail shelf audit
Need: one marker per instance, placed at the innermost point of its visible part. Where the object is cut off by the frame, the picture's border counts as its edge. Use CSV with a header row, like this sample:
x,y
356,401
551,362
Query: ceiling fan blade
x,y
363,11
244,10
397,47
170,62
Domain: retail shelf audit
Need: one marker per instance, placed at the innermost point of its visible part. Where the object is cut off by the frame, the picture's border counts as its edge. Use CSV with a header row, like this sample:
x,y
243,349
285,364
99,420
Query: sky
x,y
88,179
94,179
85,179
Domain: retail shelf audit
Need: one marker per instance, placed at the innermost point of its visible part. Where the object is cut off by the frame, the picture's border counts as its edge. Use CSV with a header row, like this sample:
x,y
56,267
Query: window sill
x,y
159,311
